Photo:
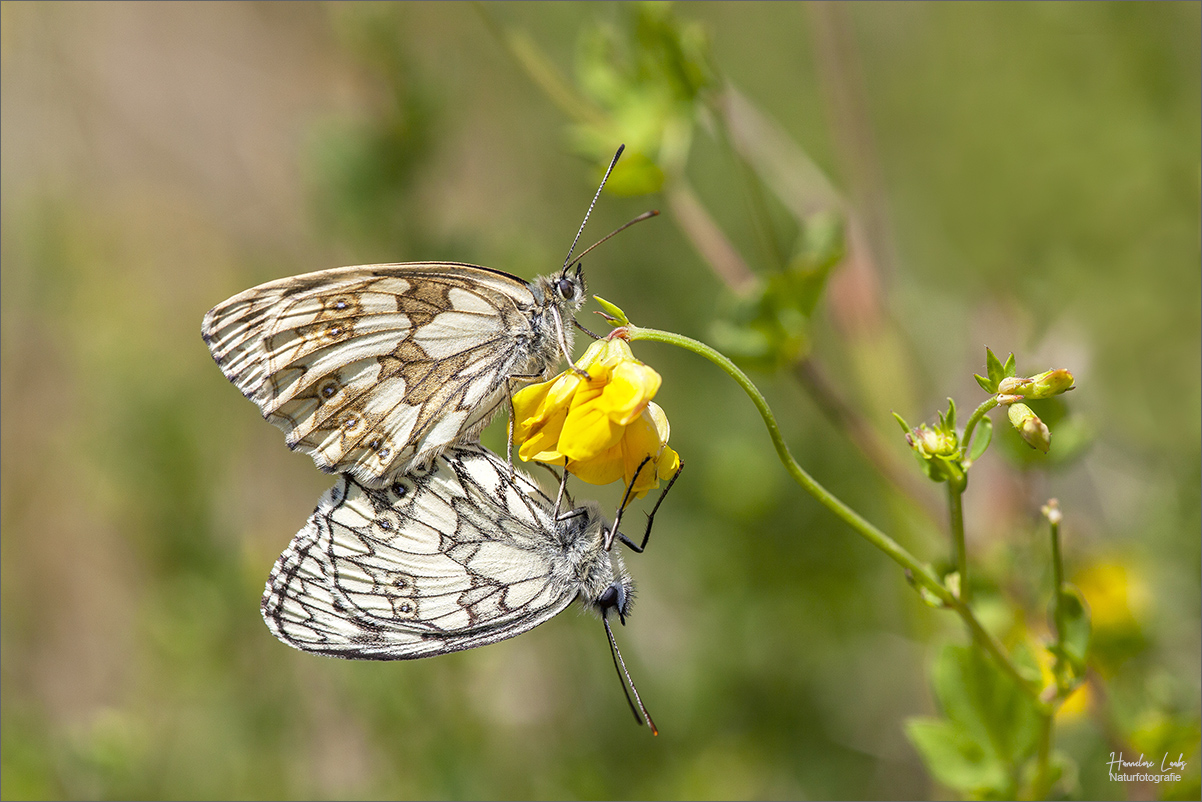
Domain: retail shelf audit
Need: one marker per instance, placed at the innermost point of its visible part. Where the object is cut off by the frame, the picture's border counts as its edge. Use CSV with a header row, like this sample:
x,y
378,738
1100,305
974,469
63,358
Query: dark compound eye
x,y
609,598
567,287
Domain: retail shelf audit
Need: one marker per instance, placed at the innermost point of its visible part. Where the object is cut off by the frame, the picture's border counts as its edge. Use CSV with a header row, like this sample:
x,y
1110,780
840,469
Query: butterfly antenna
x,y
644,216
613,530
620,667
568,259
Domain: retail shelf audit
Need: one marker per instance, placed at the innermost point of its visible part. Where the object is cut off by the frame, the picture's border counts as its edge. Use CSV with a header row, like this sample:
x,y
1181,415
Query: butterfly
x,y
464,553
373,370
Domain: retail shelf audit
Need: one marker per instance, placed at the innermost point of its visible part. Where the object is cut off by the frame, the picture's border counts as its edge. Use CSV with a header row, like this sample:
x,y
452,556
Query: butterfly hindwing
x,y
463,554
374,370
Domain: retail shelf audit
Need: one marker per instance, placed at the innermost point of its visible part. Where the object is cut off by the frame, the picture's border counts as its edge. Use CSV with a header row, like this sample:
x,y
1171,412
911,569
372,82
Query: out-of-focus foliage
x,y
1035,174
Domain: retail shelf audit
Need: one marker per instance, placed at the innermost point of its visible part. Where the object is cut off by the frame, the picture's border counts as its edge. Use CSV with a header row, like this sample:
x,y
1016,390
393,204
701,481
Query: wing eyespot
x,y
329,388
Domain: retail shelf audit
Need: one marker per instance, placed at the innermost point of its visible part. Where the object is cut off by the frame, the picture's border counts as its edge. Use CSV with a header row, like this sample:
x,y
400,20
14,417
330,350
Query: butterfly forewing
x,y
463,554
374,370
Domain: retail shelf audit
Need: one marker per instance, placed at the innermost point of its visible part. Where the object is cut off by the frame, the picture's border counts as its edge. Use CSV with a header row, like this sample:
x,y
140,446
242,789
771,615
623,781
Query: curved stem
x,y
970,427
920,571
869,532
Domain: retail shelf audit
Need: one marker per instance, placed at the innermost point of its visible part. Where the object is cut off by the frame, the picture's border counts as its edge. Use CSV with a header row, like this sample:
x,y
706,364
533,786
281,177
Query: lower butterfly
x,y
465,553
373,370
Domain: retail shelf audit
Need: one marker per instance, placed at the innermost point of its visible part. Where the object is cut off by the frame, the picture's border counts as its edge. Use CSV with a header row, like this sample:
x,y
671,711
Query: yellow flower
x,y
601,428
1078,702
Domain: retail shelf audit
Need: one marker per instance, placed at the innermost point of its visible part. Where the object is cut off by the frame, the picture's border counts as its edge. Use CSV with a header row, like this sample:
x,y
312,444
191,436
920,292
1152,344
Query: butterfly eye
x,y
567,288
611,597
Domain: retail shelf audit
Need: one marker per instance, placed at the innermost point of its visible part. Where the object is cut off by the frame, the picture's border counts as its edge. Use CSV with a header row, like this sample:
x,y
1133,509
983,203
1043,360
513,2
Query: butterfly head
x,y
569,289
618,597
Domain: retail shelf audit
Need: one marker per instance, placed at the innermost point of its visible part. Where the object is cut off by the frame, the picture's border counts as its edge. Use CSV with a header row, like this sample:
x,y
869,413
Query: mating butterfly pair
x,y
428,542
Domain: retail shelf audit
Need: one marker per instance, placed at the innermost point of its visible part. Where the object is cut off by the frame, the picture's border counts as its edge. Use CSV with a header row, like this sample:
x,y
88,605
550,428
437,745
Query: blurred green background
x,y
1029,179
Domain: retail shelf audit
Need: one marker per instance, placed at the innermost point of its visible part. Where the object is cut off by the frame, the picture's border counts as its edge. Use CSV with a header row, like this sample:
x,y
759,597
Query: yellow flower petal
x,y
602,469
588,430
631,386
526,408
602,428
668,463
591,354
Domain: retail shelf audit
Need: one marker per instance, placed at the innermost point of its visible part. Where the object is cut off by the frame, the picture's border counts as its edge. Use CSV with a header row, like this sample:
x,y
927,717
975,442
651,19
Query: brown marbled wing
x,y
459,555
375,369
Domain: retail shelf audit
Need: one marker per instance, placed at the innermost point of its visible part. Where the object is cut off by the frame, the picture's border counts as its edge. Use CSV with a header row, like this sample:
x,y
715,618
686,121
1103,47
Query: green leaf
x,y
905,426
1075,621
1061,769
1008,368
981,438
988,704
993,369
986,384
614,313
955,759
951,415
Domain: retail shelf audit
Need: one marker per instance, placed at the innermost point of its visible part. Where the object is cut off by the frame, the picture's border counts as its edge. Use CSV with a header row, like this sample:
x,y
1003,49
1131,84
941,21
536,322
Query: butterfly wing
x,y
374,370
459,556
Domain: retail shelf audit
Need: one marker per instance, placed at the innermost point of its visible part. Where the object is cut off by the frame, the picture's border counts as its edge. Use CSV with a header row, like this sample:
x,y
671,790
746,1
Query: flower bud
x,y
934,443
1050,383
1052,512
1032,429
1013,385
1045,385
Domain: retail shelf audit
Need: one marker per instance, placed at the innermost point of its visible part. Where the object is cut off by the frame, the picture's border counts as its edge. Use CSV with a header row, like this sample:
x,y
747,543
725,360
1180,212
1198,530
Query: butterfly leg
x,y
563,346
577,324
512,414
651,517
563,484
613,530
509,440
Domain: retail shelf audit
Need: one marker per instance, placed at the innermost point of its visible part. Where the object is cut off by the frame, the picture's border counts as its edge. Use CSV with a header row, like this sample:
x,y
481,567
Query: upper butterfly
x,y
374,370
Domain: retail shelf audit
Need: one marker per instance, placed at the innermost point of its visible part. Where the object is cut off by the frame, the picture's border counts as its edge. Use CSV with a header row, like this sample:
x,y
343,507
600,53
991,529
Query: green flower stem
x,y
1058,579
875,536
955,508
921,573
970,427
1042,785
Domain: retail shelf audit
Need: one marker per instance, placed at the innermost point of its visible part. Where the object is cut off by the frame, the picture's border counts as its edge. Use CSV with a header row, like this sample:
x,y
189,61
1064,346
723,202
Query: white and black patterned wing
x,y
374,370
459,556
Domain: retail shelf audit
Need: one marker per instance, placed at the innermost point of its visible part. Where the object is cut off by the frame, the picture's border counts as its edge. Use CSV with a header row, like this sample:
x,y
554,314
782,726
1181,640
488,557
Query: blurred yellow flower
x,y
1117,593
1078,702
601,428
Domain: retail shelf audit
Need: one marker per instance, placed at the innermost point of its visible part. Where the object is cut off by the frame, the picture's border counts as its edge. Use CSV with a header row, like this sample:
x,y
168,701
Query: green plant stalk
x,y
1058,580
955,508
1041,786
970,427
876,537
